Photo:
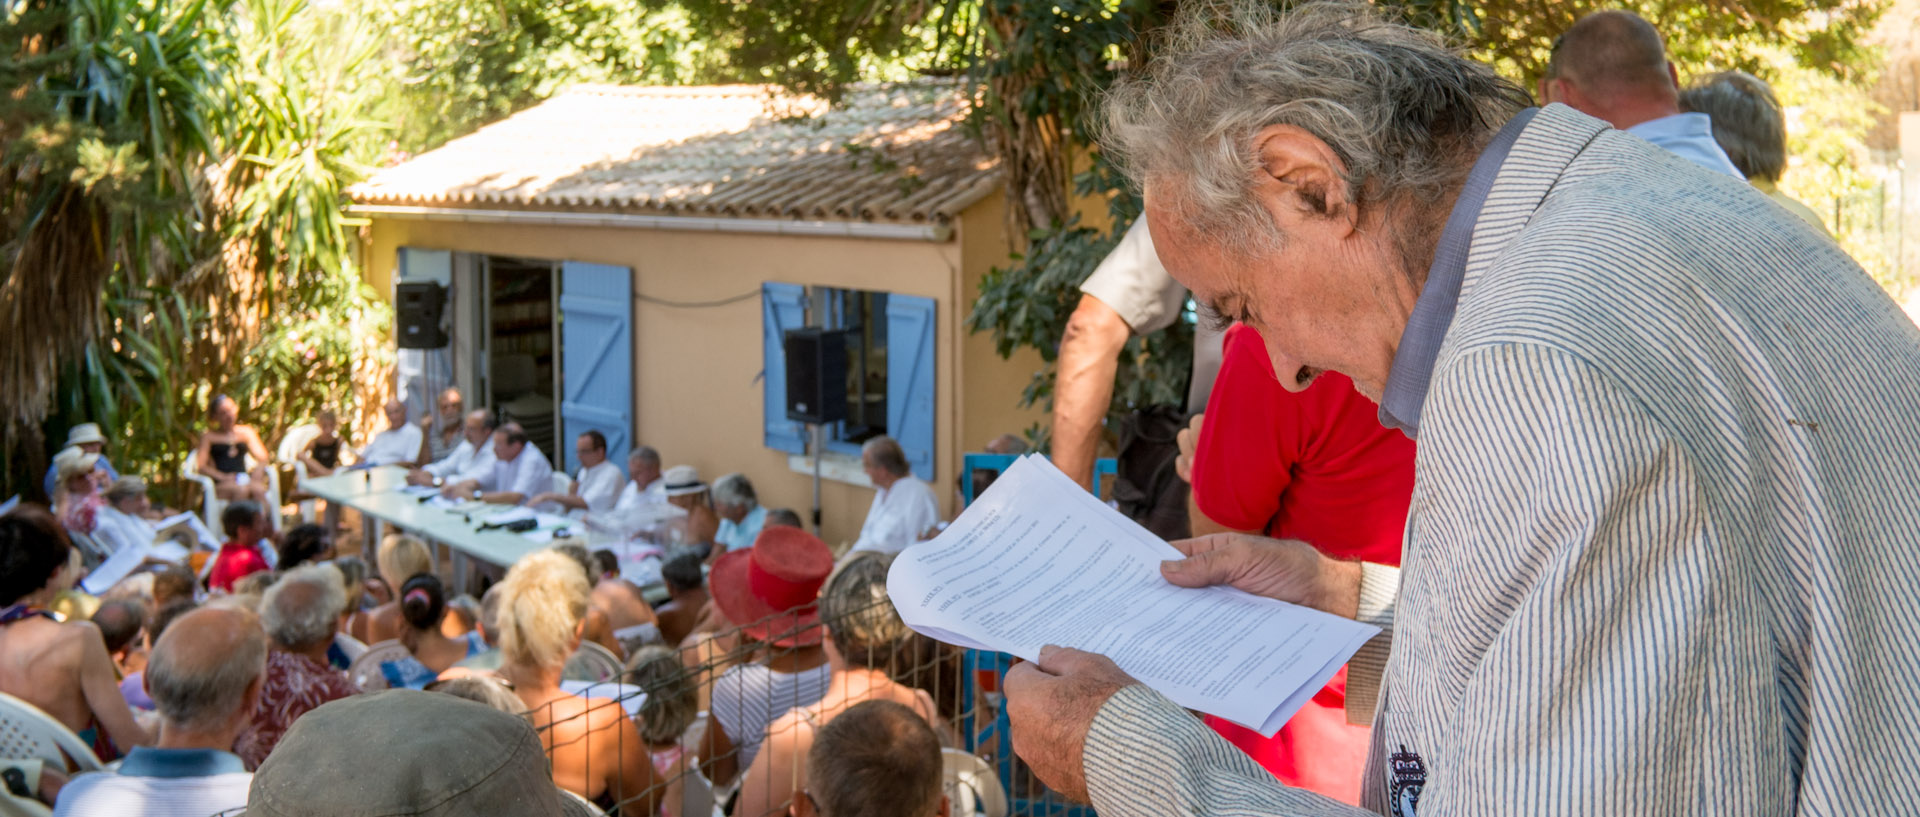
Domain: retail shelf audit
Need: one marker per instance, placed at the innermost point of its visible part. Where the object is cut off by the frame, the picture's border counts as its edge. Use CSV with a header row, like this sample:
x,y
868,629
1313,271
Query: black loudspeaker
x,y
417,309
816,375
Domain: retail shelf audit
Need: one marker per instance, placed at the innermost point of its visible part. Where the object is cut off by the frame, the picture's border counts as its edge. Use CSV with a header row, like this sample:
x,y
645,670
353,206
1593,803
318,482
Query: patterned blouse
x,y
295,684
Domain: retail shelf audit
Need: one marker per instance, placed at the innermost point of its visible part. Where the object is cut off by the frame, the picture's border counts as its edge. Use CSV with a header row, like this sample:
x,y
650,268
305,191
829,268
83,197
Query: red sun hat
x,y
772,590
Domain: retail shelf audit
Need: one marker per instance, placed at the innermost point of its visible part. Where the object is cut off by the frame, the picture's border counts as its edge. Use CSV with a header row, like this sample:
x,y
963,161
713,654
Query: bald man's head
x,y
206,668
1612,65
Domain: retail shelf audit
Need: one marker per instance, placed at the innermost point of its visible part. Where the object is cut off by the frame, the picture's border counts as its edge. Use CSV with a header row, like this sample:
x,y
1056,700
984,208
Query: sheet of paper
x,y
193,523
115,568
1039,560
418,490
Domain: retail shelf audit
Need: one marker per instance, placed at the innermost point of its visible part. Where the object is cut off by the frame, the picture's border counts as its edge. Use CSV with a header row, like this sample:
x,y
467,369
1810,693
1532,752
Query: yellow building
x,y
629,259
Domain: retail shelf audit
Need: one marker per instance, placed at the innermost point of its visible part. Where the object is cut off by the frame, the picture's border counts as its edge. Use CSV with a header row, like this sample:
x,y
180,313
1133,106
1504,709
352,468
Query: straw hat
x,y
73,462
682,480
85,433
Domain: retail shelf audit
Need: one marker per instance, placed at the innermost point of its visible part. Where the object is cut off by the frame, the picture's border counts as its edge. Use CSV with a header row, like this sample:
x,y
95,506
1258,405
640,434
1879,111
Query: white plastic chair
x,y
289,457
561,482
26,731
212,505
365,672
971,784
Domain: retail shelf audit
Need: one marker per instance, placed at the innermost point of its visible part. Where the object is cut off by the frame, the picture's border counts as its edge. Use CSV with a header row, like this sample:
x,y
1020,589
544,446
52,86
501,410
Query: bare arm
x,y
717,754
103,694
630,776
255,447
776,773
203,460
1083,385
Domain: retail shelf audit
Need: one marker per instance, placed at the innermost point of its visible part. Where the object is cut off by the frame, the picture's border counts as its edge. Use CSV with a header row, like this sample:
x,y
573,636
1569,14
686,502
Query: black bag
x,y
1147,488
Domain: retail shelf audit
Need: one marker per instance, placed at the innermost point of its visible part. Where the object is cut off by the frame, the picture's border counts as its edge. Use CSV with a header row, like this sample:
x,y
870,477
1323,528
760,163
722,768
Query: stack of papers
x,y
1038,560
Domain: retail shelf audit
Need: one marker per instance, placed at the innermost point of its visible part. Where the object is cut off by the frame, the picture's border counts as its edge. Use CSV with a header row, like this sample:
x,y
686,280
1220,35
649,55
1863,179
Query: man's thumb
x,y
1199,570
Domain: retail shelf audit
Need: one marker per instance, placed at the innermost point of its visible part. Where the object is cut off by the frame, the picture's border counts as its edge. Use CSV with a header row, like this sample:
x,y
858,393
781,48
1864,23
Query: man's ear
x,y
802,806
1301,173
1673,73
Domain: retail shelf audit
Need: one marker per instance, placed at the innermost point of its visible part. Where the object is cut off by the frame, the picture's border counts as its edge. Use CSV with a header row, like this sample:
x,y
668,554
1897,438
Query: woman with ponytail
x,y
423,604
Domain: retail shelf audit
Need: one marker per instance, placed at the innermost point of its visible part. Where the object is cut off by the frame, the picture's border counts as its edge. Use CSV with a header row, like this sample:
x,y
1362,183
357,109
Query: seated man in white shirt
x,y
642,503
519,471
471,459
398,445
596,487
205,677
904,507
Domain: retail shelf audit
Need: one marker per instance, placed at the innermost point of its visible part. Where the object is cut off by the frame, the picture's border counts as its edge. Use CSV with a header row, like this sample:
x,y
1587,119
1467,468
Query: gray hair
x,y
645,454
734,489
1404,113
125,488
202,684
1747,121
887,455
303,608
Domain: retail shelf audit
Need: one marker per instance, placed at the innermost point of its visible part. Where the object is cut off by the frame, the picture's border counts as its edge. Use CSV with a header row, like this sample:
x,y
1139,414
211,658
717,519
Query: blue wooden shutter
x,y
596,359
782,307
910,363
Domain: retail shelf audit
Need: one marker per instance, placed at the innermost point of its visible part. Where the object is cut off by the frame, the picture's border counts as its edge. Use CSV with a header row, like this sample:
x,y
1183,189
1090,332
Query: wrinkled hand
x,y
1284,569
1051,706
1188,439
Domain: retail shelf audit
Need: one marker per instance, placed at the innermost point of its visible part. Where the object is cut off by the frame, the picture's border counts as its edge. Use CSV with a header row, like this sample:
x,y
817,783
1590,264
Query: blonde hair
x,y
542,601
401,558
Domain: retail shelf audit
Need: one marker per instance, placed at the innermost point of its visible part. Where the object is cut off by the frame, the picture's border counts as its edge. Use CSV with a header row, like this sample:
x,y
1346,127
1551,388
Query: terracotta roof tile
x,y
896,152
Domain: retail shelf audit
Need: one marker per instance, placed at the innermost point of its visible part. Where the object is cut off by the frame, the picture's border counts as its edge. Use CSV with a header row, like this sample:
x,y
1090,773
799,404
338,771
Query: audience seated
x,y
629,616
171,583
122,521
322,453
223,452
641,509
785,516
519,471
399,444
770,592
400,558
79,500
596,486
470,459
299,613
423,603
597,627
686,595
243,554
738,507
62,668
696,524
903,506
488,626
865,636
594,748
305,544
666,712
407,752
877,759
134,687
486,689
463,616
121,623
86,437
205,678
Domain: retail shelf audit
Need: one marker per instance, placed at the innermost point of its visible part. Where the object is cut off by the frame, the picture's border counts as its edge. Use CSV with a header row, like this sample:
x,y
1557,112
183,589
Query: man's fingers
x,y
1202,568
1022,677
1202,544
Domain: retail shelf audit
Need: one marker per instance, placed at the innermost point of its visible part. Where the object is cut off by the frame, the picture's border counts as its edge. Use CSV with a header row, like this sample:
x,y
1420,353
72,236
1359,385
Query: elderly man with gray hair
x,y
903,505
741,514
1751,127
301,612
205,676
1652,563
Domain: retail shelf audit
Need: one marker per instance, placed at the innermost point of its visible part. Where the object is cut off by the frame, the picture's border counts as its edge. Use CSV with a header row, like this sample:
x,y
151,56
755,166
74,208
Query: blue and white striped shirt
x,y
1660,558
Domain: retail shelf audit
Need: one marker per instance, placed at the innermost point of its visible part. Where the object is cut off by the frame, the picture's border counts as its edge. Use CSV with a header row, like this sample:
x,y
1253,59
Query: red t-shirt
x,y
1315,466
234,562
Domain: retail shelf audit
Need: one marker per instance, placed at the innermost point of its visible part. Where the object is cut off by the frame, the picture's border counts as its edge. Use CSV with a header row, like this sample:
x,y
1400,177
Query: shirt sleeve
x,y
533,477
1132,281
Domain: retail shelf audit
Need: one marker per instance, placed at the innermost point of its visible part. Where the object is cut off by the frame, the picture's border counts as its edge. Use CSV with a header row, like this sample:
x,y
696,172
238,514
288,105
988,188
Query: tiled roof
x,y
896,152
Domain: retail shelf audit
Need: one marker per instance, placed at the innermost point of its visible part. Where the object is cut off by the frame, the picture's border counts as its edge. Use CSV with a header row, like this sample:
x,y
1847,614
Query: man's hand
x,y
1188,439
1051,706
419,476
1284,569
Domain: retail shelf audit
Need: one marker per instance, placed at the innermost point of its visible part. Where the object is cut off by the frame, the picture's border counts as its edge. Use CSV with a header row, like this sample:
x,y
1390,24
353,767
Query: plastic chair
x,y
210,502
26,731
592,662
972,786
365,672
561,482
289,457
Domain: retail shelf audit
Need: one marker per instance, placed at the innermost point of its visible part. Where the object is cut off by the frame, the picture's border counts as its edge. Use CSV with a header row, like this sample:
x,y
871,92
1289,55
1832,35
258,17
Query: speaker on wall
x,y
417,311
816,375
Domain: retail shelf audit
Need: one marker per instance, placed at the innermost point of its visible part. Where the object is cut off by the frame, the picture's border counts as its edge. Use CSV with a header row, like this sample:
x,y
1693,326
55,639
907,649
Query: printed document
x,y
1038,560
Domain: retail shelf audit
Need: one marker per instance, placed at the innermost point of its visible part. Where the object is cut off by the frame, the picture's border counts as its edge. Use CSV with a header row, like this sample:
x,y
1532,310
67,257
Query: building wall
x,y
697,396
990,402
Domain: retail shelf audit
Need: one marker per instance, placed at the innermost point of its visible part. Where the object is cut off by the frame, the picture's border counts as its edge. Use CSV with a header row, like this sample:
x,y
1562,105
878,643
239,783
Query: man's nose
x,y
1293,375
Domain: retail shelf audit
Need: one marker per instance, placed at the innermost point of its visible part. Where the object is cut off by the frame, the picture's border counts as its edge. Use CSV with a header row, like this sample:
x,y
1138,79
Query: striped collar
x,y
1407,381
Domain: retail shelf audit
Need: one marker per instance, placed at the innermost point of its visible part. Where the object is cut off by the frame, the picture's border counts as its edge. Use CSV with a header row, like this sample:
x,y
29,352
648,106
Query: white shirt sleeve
x,y
534,475
600,486
393,445
455,462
